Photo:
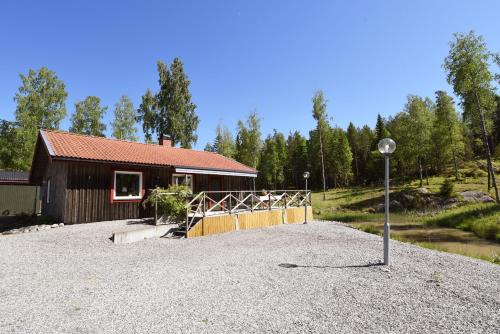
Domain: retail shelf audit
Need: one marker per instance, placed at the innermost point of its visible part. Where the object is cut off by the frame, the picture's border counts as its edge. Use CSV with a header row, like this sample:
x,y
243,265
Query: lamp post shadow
x,y
367,265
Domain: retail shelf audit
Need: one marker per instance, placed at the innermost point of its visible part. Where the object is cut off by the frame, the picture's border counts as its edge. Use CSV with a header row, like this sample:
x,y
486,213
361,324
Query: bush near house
x,y
171,201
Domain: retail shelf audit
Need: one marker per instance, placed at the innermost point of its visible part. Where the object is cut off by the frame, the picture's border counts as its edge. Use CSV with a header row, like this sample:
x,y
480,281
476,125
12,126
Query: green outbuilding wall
x,y
17,199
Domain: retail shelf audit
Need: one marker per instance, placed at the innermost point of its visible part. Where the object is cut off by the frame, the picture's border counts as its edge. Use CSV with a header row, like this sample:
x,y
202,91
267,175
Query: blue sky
x,y
270,56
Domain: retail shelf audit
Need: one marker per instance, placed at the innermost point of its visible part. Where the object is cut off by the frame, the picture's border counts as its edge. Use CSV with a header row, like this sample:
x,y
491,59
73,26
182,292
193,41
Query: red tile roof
x,y
82,147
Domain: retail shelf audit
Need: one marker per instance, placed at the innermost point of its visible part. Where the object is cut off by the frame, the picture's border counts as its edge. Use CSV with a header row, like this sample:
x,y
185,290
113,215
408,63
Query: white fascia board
x,y
47,143
213,172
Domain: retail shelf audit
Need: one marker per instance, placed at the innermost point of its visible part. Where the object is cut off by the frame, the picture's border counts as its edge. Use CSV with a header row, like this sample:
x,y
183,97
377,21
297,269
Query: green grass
x,y
481,219
471,229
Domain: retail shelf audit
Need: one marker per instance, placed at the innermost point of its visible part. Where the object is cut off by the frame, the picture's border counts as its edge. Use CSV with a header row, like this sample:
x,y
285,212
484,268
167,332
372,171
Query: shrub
x,y
447,188
171,201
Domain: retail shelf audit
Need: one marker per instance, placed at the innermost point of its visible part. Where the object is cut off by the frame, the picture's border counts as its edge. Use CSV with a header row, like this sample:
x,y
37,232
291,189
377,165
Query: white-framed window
x,y
127,185
47,191
183,179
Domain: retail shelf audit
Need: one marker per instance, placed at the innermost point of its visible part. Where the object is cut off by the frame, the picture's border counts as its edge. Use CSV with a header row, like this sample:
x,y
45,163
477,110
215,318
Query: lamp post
x,y
386,146
306,176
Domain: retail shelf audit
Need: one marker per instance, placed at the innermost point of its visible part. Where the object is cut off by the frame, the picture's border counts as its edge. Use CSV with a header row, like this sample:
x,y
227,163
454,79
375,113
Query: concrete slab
x,y
127,237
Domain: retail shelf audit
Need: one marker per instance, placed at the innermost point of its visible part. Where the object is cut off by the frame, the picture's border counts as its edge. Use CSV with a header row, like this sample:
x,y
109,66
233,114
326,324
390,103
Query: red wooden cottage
x,y
89,179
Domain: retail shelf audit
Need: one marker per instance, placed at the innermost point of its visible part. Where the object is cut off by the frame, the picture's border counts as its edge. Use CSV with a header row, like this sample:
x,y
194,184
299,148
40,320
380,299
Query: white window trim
x,y
185,176
118,198
47,193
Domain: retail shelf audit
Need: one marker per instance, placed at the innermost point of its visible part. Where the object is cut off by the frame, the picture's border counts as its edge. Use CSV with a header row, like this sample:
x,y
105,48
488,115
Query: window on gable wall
x,y
183,179
127,185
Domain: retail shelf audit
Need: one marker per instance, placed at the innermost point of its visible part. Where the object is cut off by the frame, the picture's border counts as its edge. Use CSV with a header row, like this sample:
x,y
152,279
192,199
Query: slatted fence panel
x,y
296,215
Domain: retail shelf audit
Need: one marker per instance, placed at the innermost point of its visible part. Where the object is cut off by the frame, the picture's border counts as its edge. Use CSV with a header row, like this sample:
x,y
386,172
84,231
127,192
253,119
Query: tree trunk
x,y
487,148
322,163
421,174
427,174
489,176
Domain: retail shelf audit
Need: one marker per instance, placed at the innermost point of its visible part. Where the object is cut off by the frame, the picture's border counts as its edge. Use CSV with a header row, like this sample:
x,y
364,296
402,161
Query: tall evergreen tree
x,y
321,117
170,111
273,160
224,142
380,130
124,122
248,141
468,66
87,118
341,160
209,148
352,136
365,141
41,104
296,165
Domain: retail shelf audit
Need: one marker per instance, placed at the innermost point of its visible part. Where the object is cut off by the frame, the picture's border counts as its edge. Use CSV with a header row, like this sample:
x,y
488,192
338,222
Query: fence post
x,y
269,201
251,208
230,202
204,200
156,210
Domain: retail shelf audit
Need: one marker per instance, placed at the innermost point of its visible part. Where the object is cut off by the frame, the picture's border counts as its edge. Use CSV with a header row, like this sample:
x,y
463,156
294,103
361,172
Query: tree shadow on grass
x,y
291,266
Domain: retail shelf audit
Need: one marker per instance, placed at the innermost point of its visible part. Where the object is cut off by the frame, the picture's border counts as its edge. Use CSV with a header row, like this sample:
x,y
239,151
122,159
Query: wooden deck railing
x,y
207,203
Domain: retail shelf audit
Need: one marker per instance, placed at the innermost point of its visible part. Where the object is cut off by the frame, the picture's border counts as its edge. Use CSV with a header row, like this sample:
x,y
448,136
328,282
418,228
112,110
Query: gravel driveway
x,y
315,278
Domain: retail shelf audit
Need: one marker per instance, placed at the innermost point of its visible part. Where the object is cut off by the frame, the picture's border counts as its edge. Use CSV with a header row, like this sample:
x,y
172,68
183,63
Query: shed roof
x,y
66,145
14,177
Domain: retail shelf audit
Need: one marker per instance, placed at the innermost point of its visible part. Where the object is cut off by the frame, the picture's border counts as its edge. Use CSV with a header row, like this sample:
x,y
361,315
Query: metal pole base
x,y
387,237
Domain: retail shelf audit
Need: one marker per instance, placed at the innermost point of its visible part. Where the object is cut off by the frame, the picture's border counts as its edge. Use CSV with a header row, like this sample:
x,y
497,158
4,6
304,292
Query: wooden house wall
x,y
89,192
57,174
81,192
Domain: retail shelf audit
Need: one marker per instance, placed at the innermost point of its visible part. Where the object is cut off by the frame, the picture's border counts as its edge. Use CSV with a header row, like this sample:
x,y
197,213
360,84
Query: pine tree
x,y
273,161
124,122
380,131
352,136
296,146
209,148
170,111
224,142
87,118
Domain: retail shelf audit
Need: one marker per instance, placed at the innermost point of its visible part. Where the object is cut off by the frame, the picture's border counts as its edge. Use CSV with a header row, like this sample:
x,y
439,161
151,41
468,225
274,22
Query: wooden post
x,y
269,194
251,208
230,202
156,210
203,199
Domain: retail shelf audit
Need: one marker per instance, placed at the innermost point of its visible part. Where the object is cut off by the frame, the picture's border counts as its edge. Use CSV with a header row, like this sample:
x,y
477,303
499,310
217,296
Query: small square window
x,y
128,185
183,179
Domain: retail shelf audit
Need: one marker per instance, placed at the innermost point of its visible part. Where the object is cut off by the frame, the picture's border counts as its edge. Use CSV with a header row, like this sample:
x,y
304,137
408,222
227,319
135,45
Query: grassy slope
x,y
469,229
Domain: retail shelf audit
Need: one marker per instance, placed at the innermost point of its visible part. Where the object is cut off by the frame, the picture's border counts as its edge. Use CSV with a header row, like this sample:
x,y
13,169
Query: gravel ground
x,y
315,278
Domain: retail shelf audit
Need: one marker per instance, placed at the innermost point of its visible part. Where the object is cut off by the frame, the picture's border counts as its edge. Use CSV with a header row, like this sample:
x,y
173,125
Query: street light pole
x,y
387,226
306,176
386,146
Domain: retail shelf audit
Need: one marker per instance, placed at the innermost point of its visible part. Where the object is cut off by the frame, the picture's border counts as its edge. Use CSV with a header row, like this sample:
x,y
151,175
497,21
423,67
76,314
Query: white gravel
x,y
75,280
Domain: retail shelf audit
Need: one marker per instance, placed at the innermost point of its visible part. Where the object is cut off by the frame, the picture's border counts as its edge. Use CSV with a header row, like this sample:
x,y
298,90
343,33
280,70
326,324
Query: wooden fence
x,y
248,220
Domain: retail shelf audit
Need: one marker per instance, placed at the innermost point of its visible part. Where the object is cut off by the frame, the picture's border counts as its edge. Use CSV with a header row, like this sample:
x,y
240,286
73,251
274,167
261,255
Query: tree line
x,y
41,104
431,134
